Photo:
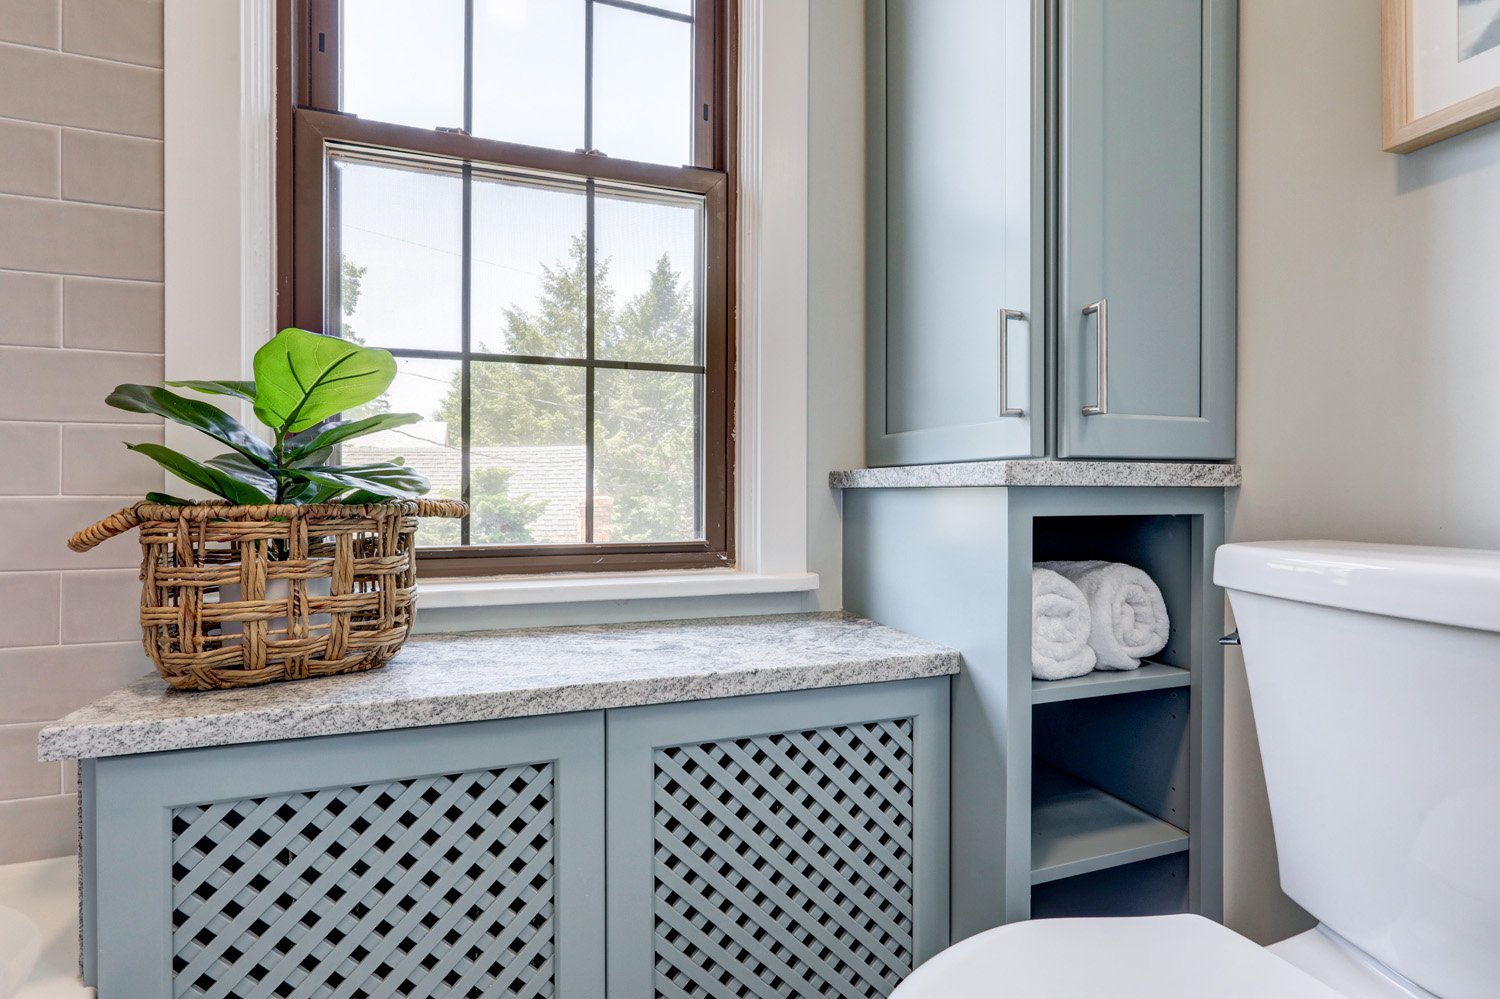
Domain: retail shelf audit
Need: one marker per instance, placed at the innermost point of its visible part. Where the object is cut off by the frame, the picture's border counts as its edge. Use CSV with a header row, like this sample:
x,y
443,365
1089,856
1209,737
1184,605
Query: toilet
x,y
1374,674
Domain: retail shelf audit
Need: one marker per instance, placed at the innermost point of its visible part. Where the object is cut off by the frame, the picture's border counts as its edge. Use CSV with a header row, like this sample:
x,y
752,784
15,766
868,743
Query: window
x,y
530,204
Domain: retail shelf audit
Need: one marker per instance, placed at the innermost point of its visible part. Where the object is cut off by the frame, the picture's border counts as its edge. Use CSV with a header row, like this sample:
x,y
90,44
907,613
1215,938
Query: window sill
x,y
585,587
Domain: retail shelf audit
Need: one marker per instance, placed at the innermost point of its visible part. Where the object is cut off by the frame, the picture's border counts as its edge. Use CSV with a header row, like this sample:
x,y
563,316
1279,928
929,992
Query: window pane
x,y
647,279
530,294
403,62
399,235
528,71
526,442
429,388
647,464
643,86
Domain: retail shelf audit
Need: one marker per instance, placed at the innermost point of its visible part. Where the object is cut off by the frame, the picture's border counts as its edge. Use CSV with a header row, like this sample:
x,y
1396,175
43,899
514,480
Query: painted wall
x,y
1369,342
80,311
836,277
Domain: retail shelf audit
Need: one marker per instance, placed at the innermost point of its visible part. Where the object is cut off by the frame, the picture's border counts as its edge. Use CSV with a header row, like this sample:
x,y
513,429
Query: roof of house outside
x,y
550,474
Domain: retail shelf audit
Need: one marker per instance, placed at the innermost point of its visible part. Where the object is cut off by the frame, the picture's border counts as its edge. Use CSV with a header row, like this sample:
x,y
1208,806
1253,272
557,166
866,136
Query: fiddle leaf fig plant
x,y
303,381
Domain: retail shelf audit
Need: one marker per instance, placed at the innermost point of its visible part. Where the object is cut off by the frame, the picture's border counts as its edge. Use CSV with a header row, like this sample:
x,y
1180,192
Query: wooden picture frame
x,y
1405,129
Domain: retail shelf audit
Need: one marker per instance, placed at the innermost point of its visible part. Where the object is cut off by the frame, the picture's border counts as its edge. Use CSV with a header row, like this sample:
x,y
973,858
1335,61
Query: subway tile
x,y
64,89
101,606
29,22
32,455
96,463
38,685
68,238
30,309
38,828
31,601
69,386
99,314
37,532
29,157
124,30
111,169
21,776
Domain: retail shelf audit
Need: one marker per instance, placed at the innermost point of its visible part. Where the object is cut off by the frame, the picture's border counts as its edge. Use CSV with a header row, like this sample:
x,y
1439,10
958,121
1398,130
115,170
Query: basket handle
x,y
116,523
441,508
130,518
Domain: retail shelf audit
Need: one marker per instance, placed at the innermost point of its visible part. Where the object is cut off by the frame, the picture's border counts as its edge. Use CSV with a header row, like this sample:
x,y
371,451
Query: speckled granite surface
x,y
476,676
1040,472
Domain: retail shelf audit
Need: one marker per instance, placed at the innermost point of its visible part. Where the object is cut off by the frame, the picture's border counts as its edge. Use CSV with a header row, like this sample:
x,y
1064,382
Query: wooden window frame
x,y
308,123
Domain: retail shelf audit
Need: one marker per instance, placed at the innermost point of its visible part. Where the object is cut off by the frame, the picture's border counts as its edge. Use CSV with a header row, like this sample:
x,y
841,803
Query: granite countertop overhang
x,y
480,676
1042,472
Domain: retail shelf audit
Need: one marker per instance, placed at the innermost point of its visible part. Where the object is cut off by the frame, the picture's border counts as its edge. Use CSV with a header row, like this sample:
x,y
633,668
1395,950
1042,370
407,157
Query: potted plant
x,y
303,566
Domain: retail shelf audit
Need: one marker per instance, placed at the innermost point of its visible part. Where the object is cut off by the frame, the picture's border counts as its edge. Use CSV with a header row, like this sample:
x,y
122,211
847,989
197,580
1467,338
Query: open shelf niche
x,y
1141,749
1110,750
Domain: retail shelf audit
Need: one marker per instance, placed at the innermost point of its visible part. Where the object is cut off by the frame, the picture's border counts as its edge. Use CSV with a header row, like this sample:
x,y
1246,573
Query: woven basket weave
x,y
195,558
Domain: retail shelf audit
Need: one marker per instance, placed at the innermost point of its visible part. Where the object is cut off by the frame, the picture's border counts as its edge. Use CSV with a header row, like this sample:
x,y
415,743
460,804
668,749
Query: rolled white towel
x,y
1129,617
1059,627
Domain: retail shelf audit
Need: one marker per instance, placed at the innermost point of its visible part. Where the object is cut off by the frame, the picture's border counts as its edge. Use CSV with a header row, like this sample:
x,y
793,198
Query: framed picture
x,y
1442,69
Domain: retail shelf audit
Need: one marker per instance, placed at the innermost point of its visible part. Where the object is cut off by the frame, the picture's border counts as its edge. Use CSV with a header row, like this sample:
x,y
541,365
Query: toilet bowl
x,y
1374,672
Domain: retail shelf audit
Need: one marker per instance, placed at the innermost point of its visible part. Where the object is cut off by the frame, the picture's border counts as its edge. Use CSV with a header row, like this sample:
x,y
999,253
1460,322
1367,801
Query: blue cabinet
x,y
457,860
787,845
1099,795
1146,217
1051,229
795,837
956,305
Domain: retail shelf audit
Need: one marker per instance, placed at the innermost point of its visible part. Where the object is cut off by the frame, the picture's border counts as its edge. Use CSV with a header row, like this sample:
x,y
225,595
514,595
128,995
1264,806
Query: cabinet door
x,y
789,844
956,331
1147,220
456,860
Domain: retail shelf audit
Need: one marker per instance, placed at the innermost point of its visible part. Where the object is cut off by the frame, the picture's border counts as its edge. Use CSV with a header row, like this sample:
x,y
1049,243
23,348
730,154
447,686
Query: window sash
x,y
319,82
303,212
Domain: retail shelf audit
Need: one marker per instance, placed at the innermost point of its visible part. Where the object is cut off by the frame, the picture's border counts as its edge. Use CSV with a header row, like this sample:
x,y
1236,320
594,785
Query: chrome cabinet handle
x,y
1101,404
1006,315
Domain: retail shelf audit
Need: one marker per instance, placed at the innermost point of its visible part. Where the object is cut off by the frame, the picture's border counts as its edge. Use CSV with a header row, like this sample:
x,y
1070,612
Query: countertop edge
x,y
1039,472
112,739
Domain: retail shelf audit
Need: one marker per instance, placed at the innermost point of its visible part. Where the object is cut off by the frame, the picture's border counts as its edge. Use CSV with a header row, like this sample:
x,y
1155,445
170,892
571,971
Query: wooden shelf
x,y
1102,683
1077,828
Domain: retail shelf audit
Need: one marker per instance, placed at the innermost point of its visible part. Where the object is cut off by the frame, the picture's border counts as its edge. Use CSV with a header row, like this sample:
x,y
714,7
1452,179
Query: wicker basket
x,y
211,616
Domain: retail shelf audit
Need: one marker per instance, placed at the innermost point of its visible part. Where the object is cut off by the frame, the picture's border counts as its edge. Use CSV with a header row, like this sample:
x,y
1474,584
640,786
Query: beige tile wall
x,y
80,310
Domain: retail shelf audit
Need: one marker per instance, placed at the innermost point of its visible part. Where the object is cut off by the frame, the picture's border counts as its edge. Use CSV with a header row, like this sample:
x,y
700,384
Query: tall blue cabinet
x,y
1052,214
1052,229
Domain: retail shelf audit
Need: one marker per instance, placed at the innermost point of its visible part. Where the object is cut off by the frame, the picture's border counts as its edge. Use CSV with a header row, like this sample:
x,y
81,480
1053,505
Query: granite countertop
x,y
477,676
1041,472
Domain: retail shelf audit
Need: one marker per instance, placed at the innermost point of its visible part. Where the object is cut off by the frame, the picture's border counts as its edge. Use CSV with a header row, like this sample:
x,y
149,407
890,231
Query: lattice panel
x,y
436,886
783,864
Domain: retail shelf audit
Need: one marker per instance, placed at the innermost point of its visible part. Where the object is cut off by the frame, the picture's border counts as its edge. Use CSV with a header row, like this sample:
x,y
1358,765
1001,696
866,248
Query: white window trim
x,y
219,103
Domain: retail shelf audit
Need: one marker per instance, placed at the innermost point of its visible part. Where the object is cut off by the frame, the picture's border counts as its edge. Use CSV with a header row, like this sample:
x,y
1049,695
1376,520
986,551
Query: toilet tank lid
x,y
1453,586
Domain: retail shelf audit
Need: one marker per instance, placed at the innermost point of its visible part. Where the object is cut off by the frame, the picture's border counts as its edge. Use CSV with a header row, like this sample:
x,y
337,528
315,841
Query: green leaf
x,y
240,390
246,471
167,499
301,493
337,433
382,478
201,416
327,494
302,378
203,476
312,459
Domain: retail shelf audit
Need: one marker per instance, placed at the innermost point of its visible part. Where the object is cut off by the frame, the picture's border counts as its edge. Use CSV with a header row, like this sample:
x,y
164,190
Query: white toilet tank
x,y
1374,675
